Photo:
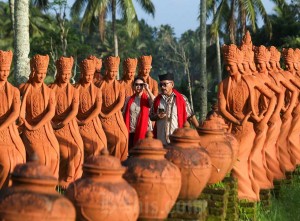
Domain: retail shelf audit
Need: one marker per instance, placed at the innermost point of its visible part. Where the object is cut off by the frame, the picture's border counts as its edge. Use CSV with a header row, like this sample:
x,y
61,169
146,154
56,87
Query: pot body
x,y
157,182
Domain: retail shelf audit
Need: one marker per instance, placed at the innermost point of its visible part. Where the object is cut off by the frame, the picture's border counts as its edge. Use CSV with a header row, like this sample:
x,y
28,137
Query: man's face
x,y
40,76
112,74
65,76
4,75
232,68
166,87
88,76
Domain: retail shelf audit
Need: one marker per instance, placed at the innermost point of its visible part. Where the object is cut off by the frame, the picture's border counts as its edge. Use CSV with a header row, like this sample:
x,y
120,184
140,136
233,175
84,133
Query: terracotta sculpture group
x,y
259,102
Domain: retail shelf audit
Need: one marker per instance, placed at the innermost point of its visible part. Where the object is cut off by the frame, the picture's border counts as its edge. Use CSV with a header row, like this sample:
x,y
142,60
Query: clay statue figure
x,y
144,72
293,142
37,110
170,110
11,145
90,101
136,111
237,99
98,65
276,132
65,125
129,68
262,176
113,97
261,171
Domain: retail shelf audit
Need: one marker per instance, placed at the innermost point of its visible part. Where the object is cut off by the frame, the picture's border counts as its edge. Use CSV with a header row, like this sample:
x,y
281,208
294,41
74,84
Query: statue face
x,y
111,74
289,66
39,76
145,72
232,68
166,87
296,66
272,64
130,74
4,75
65,76
261,66
88,76
246,66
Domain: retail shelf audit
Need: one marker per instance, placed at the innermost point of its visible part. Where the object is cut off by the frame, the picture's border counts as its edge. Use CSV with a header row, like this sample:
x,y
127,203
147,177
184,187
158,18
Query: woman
x,y
65,125
136,111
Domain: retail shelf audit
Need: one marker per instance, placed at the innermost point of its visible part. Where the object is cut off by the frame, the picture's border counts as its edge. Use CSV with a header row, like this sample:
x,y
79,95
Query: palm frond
x,y
78,7
147,6
129,16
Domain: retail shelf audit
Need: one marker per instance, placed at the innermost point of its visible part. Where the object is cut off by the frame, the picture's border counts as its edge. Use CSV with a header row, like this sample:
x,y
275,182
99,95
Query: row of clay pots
x,y
102,193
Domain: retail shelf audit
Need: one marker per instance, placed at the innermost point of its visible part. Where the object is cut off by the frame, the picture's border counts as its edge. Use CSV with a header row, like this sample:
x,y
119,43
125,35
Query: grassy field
x,y
286,207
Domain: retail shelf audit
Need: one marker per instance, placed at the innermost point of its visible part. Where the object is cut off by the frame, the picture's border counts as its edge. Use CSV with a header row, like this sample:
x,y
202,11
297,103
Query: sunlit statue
x,y
113,97
90,102
237,99
98,65
129,69
144,72
293,142
37,110
65,125
11,146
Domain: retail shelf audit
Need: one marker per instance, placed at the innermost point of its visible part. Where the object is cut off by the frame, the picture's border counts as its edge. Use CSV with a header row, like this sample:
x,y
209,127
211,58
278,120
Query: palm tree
x,y
21,40
97,9
203,74
235,14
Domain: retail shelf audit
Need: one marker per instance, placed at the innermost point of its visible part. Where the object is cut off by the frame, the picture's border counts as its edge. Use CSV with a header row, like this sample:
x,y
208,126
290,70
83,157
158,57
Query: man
x,y
170,110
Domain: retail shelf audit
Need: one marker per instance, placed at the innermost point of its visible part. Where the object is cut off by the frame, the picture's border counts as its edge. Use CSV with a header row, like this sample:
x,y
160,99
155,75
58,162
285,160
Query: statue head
x,y
87,71
98,66
64,69
145,66
38,66
129,68
262,57
111,67
290,59
274,58
247,49
5,63
233,59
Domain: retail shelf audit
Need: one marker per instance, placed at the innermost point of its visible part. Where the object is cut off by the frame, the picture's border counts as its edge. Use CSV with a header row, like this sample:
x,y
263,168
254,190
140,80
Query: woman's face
x,y
138,86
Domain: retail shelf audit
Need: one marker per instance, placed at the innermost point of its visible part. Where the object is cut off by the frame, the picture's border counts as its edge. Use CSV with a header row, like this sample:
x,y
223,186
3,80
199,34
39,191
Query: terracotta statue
x,y
90,101
11,145
261,172
65,125
136,111
37,110
98,65
262,176
144,72
113,97
236,97
129,68
277,128
170,110
293,141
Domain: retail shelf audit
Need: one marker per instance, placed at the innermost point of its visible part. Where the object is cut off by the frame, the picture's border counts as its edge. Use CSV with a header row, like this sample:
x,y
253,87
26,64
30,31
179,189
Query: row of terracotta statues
x,y
260,101
64,124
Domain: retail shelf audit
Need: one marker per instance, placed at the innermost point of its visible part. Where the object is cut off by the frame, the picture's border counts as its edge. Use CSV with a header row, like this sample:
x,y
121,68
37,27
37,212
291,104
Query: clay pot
x,y
156,180
192,160
32,196
213,139
102,193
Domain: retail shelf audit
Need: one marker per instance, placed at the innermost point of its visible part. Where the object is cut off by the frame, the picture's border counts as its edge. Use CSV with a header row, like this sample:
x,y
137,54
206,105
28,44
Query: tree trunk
x,y
203,75
12,12
22,44
114,30
219,69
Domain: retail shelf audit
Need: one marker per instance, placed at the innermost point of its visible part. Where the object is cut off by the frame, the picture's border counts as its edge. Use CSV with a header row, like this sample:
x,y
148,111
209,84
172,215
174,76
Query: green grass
x,y
286,207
